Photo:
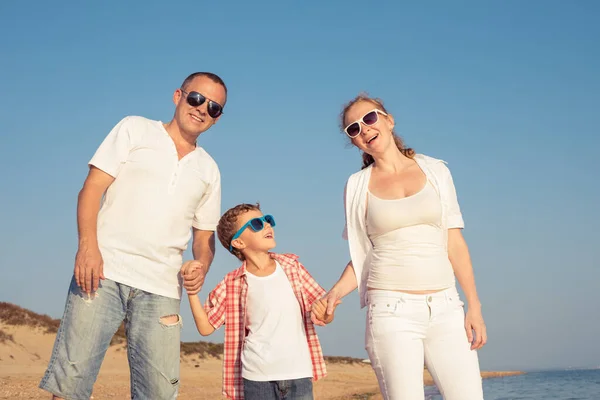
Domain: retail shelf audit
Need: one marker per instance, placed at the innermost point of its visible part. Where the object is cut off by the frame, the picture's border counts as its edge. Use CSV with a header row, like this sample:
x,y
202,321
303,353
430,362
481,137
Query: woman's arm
x,y
346,284
458,252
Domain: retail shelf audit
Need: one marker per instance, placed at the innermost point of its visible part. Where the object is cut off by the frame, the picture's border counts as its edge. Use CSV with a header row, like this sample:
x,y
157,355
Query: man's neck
x,y
180,137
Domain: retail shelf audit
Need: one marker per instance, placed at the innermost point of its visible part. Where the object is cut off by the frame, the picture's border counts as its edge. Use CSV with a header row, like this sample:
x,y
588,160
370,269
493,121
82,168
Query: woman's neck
x,y
391,161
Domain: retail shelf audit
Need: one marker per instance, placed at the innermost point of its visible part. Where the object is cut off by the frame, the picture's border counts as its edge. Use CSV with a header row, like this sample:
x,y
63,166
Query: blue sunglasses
x,y
256,224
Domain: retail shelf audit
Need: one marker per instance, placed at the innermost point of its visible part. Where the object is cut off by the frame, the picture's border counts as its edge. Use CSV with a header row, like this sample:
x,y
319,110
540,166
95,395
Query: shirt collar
x,y
282,258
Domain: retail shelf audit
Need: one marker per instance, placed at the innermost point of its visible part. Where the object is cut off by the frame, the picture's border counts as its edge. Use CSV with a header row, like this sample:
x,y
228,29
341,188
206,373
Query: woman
x,y
403,225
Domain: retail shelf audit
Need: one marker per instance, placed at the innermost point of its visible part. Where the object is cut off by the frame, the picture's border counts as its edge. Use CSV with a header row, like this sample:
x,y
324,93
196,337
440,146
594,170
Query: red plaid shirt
x,y
226,304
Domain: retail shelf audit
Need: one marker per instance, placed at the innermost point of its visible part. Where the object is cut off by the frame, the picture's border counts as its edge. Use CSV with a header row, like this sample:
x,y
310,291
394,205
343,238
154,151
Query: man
x,y
149,188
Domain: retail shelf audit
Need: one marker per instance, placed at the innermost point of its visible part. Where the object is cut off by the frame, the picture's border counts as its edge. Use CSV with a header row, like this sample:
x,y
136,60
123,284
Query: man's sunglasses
x,y
370,118
196,99
256,224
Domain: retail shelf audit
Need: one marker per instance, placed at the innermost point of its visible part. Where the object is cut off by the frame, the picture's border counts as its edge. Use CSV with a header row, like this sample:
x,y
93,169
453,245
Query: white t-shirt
x,y
275,347
145,221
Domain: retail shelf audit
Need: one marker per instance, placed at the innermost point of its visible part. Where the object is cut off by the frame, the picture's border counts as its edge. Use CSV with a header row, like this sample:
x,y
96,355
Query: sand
x,y
24,357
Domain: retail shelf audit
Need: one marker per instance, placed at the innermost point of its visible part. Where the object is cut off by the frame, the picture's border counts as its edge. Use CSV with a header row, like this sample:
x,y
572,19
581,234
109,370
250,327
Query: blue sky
x,y
507,93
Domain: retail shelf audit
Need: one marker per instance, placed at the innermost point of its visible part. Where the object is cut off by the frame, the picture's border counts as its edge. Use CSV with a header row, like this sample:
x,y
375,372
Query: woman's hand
x,y
475,327
332,299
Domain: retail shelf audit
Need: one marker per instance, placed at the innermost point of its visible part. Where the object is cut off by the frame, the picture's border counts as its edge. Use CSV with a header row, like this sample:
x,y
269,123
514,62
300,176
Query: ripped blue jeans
x,y
153,327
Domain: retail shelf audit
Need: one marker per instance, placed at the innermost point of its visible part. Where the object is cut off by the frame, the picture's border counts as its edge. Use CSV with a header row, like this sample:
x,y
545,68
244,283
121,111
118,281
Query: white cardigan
x,y
355,199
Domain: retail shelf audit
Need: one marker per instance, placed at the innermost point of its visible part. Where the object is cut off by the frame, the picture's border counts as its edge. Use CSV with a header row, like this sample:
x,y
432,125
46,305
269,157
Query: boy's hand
x,y
193,274
319,312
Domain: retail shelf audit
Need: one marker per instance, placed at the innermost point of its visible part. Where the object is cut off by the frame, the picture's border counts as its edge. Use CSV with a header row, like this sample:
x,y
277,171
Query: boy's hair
x,y
228,223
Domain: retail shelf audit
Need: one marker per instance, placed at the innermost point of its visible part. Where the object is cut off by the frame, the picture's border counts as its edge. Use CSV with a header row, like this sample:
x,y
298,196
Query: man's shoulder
x,y
206,157
136,121
204,162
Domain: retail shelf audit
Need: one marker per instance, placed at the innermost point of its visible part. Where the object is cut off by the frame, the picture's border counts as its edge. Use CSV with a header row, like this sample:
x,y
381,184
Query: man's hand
x,y
193,273
89,268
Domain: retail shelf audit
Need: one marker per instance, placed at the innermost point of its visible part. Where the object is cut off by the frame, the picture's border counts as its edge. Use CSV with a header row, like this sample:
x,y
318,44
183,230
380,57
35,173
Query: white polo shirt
x,y
145,221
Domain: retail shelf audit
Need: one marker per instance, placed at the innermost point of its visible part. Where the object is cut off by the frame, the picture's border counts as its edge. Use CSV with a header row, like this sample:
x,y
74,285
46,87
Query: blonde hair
x,y
367,158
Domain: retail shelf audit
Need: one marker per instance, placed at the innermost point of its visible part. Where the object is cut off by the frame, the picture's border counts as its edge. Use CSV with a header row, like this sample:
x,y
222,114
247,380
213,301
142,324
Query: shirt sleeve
x,y
312,289
208,211
216,305
114,150
455,219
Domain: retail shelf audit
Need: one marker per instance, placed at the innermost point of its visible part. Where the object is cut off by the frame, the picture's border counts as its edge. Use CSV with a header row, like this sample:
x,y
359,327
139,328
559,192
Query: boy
x,y
271,348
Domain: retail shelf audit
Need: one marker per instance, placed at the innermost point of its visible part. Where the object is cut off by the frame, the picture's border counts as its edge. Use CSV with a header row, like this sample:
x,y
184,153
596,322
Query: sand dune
x,y
26,341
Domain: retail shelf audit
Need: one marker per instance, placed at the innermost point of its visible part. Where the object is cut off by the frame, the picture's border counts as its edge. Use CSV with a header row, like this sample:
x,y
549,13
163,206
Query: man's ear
x,y
177,96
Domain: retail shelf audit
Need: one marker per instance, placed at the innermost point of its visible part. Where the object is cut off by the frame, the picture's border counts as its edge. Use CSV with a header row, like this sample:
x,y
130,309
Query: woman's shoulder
x,y
359,174
423,158
437,165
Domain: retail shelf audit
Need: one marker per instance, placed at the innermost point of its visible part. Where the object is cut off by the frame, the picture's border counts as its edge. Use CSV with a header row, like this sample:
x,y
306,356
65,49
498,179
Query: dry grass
x,y
343,360
4,337
202,349
12,314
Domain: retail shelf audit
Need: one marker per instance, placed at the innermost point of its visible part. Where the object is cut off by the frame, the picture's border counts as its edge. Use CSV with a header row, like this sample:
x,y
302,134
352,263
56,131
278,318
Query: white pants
x,y
405,331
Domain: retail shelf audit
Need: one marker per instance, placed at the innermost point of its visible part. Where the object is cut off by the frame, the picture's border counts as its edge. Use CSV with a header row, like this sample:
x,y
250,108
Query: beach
x,y
26,341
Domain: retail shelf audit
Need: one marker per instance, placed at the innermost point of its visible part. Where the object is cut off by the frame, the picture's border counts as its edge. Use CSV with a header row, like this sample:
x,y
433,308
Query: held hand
x,y
474,324
89,268
322,310
319,309
193,274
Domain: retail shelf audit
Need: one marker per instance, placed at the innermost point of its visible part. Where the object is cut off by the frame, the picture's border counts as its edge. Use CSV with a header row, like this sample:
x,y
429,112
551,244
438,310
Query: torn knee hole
x,y
169,320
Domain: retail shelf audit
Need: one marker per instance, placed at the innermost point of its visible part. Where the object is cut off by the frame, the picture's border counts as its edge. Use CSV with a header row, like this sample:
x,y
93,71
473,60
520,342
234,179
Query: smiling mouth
x,y
269,235
197,118
373,138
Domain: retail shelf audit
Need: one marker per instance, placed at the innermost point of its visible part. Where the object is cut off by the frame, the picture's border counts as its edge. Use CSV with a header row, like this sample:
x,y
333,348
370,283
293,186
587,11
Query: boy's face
x,y
251,241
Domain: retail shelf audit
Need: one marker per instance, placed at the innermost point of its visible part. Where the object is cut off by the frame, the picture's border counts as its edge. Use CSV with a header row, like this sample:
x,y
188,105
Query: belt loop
x,y
447,295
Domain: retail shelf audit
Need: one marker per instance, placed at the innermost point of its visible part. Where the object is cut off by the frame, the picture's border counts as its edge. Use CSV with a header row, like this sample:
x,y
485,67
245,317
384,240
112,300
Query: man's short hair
x,y
213,77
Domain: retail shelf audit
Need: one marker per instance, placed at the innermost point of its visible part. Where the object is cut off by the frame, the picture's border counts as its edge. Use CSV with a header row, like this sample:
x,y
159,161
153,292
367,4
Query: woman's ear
x,y
391,121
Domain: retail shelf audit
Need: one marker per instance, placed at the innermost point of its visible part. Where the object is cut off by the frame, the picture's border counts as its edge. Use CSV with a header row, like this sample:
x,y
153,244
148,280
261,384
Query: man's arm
x,y
203,249
88,262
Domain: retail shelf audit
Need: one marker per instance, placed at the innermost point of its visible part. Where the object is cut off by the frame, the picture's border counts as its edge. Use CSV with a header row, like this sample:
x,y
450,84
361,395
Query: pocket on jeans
x,y
382,315
455,301
383,307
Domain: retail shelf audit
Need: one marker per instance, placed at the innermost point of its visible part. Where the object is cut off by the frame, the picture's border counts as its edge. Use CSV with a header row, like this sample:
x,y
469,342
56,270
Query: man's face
x,y
195,120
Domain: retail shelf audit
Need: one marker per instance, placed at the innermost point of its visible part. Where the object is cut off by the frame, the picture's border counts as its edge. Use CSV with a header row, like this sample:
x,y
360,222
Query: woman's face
x,y
375,129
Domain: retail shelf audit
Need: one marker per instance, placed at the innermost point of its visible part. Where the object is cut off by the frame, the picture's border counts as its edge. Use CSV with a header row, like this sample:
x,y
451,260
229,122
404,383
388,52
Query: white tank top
x,y
409,252
276,347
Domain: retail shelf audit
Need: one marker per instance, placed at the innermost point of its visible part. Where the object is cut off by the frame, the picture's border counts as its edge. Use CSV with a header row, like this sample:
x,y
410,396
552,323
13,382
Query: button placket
x,y
174,177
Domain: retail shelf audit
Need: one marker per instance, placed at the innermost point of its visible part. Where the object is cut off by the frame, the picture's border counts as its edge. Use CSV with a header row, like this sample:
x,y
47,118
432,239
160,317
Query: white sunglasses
x,y
370,118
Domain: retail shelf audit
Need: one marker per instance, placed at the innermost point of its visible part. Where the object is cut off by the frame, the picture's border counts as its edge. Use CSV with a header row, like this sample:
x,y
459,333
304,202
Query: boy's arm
x,y
210,317
200,316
